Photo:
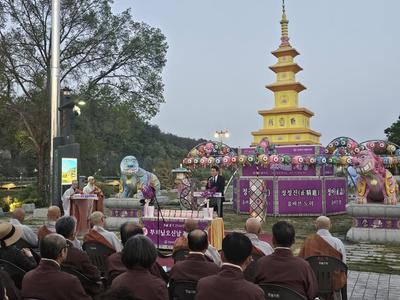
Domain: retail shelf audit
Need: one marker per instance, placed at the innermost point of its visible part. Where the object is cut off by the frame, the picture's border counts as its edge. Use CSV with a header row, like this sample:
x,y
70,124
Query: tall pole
x,y
54,89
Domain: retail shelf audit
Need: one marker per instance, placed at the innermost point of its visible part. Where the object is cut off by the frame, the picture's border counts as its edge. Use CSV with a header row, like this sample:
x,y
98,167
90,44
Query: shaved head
x,y
323,222
97,218
198,240
253,225
19,214
53,213
190,225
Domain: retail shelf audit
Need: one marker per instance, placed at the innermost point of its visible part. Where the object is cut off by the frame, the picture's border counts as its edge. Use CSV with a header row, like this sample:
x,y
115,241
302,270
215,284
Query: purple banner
x,y
280,170
336,196
244,196
300,196
377,223
170,230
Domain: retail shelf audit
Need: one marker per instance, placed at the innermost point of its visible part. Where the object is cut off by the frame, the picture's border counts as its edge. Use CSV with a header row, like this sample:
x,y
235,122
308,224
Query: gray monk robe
x,y
282,268
228,284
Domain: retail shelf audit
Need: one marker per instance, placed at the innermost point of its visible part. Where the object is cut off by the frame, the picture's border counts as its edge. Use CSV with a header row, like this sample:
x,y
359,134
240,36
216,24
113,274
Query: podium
x,y
80,210
216,195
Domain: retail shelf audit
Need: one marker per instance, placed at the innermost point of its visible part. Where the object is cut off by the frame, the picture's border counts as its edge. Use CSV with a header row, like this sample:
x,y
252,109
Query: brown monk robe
x,y
94,236
115,267
316,245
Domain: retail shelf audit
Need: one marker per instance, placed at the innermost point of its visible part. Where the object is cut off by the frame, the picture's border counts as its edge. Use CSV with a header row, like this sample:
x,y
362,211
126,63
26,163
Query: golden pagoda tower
x,y
286,123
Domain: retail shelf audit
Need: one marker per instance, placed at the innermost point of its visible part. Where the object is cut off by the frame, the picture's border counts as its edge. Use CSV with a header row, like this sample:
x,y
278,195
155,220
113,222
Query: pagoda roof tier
x,y
293,67
285,131
284,51
286,86
302,142
288,110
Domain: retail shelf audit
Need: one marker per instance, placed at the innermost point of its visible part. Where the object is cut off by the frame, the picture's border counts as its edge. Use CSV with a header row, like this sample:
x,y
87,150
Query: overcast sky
x,y
219,53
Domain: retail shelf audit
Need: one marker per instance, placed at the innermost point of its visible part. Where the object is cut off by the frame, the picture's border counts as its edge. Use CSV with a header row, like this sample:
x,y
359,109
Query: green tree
x,y
101,53
393,132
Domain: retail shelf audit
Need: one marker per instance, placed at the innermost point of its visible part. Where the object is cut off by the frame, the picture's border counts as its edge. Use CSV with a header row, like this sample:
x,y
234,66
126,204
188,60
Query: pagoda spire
x,y
284,28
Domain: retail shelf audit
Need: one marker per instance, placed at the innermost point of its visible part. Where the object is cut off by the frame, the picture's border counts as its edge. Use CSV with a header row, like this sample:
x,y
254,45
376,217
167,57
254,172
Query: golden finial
x,y
284,27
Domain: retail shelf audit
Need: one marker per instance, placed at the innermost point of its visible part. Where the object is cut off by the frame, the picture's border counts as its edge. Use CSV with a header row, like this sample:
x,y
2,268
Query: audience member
x,y
7,284
253,229
195,266
324,244
53,214
76,258
114,263
47,281
116,294
281,267
17,219
9,235
138,256
229,283
100,235
181,243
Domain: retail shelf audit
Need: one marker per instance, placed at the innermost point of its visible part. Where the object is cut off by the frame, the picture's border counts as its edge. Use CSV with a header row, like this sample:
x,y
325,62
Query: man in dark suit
x,y
282,268
114,263
216,182
76,258
196,265
47,281
229,283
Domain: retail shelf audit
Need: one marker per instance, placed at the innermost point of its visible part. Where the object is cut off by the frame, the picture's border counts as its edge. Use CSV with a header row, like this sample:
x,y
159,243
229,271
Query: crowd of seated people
x,y
132,270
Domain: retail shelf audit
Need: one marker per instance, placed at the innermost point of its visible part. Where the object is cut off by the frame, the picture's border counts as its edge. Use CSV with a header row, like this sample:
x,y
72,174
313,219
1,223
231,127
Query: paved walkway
x,y
368,286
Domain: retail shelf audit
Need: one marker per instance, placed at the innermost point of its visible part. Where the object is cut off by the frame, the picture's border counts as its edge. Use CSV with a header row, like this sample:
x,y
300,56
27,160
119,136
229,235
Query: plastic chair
x,y
98,254
15,272
250,270
326,269
91,287
180,255
182,290
275,291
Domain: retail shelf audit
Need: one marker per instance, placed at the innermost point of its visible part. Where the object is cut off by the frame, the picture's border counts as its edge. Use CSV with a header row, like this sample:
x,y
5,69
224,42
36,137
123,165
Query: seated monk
x,y
253,229
114,263
195,266
181,243
324,244
53,214
100,235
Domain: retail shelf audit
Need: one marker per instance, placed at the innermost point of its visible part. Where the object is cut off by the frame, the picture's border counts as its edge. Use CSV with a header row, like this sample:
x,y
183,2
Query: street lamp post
x,y
221,134
54,90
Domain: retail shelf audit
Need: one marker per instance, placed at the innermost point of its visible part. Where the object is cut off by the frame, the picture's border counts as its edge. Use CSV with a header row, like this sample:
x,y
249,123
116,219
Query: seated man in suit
x,y
229,283
114,263
28,235
100,235
195,266
282,268
253,229
76,258
138,256
53,214
181,243
47,281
